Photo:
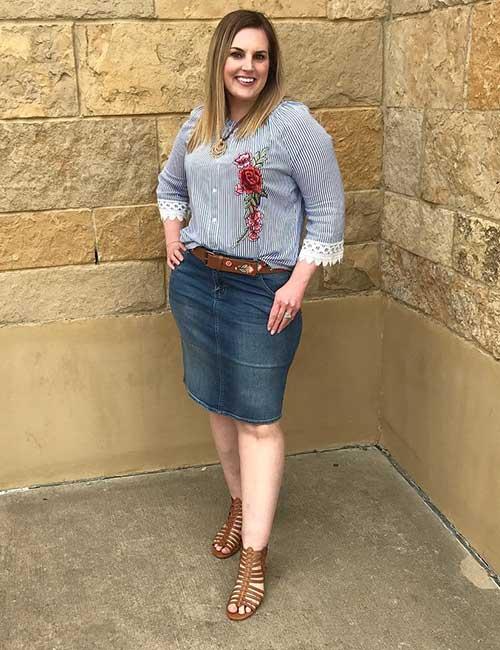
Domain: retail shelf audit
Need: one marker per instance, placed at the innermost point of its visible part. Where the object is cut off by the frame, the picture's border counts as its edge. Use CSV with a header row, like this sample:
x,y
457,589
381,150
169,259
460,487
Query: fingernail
x,y
273,331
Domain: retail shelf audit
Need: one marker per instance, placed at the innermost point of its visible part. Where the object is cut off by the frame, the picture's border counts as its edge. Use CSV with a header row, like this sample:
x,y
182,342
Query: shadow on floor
x,y
356,561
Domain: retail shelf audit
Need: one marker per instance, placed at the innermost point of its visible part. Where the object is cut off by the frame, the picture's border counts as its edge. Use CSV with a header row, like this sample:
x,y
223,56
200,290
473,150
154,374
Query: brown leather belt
x,y
232,264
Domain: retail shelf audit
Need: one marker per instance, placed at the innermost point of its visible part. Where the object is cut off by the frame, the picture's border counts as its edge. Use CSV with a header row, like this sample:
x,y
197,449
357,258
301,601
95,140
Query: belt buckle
x,y
246,268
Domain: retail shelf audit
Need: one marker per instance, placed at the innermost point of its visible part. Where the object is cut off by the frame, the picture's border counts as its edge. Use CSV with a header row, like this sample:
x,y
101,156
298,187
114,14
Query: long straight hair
x,y
215,108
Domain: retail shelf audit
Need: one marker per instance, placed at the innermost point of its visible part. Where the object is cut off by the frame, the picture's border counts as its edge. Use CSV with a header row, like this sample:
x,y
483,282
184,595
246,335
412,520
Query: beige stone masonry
x,y
467,307
420,228
89,9
346,72
359,271
476,249
34,239
402,150
129,233
218,8
358,138
359,10
461,162
77,163
168,128
363,214
37,71
416,6
148,67
81,291
410,6
484,66
425,60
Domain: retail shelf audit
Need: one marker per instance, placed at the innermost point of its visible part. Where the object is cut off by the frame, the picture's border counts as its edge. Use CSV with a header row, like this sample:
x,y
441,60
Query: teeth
x,y
245,79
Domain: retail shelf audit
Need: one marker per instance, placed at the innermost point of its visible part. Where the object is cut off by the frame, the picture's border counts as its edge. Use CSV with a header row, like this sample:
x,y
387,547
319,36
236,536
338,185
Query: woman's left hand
x,y
287,300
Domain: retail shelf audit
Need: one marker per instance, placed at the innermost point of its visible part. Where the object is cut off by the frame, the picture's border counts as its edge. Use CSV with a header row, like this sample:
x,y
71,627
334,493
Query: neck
x,y
238,110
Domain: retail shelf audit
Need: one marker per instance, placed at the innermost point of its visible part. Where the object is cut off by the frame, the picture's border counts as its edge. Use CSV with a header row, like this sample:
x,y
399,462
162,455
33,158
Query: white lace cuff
x,y
173,209
320,252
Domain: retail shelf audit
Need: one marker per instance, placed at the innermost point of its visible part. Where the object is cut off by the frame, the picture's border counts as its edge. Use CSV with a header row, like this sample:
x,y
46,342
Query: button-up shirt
x,y
254,200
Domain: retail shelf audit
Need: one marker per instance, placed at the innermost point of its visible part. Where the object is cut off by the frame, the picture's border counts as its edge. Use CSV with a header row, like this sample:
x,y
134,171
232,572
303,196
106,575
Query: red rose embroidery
x,y
251,180
250,184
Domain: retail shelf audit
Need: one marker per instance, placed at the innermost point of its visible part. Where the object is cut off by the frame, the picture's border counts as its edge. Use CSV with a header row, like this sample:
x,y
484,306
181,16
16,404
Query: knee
x,y
258,431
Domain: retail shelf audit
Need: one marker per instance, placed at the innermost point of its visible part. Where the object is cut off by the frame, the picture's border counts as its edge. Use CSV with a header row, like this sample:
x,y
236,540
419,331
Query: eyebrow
x,y
257,52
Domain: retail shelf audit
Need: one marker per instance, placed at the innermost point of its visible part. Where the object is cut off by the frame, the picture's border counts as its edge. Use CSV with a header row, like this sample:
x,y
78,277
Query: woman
x,y
247,167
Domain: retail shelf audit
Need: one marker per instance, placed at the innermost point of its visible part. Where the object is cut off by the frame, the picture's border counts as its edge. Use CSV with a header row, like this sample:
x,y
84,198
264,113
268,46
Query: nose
x,y
247,64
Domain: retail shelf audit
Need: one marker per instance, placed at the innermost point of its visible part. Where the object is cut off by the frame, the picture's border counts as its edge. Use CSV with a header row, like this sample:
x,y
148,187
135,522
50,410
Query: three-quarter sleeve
x,y
315,169
172,191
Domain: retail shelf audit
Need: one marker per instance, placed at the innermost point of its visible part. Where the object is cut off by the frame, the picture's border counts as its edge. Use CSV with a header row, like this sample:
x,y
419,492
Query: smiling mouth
x,y
245,81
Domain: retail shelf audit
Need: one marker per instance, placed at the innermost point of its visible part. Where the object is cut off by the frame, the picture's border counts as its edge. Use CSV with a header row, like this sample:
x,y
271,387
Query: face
x,y
247,66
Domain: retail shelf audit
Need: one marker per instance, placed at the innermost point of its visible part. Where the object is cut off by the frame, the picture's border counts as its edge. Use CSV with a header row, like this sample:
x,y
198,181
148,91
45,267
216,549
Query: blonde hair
x,y
215,109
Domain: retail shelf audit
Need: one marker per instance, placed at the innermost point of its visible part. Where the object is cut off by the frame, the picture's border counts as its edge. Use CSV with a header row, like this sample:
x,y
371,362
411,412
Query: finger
x,y
285,323
178,257
273,315
278,318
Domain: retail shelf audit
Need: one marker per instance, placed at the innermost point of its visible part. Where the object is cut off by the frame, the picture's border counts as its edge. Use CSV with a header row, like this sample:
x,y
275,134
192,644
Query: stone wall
x,y
92,95
440,249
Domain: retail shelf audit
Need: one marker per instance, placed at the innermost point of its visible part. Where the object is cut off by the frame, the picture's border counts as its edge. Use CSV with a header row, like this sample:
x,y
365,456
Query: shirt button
x,y
214,189
214,219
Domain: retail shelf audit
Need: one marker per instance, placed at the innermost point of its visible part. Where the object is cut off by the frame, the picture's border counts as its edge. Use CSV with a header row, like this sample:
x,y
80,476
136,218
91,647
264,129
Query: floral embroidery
x,y
250,184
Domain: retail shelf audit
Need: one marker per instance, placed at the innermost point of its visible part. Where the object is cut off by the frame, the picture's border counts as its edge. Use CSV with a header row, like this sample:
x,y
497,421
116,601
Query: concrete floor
x,y
356,561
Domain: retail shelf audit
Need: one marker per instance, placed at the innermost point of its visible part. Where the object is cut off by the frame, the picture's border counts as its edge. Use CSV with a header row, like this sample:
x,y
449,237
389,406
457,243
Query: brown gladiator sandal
x,y
230,533
251,573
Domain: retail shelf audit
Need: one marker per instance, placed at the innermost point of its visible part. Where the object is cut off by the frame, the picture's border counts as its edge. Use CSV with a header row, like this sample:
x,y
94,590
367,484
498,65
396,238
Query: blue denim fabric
x,y
232,364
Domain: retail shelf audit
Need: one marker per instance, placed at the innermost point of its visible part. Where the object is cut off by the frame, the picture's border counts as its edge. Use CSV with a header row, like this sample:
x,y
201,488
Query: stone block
x,y
331,63
476,249
423,229
357,9
168,127
358,139
81,291
90,9
217,8
410,6
363,215
461,162
467,307
402,150
441,4
425,60
37,71
135,232
483,89
85,163
141,67
34,239
359,270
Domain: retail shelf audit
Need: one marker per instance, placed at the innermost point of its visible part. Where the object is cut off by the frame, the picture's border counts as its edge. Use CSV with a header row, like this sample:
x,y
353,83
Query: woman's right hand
x,y
174,253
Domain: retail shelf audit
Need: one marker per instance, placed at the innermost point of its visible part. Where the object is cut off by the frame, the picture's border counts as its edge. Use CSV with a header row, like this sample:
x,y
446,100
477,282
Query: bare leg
x,y
225,437
262,457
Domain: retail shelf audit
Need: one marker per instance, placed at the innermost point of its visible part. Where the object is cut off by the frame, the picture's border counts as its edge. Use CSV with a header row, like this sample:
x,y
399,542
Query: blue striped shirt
x,y
254,200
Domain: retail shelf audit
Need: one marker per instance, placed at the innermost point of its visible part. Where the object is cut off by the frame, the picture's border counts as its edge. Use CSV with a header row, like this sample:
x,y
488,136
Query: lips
x,y
246,81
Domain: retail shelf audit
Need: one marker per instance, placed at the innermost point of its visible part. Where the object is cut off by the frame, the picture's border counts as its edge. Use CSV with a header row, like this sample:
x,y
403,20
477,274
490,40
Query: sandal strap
x,y
251,574
230,533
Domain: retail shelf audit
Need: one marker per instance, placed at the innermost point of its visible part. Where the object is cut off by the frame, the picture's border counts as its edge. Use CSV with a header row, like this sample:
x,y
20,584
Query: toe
x,y
226,549
231,608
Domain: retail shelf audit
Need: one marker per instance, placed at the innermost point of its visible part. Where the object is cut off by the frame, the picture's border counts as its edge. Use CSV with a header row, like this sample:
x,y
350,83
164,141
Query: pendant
x,y
218,148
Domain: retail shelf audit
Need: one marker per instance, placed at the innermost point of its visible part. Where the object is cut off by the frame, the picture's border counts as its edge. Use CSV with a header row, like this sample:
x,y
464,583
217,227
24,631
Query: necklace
x,y
219,148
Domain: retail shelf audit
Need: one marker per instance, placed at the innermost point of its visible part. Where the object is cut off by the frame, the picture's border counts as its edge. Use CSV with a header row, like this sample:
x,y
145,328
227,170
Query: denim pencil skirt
x,y
232,363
